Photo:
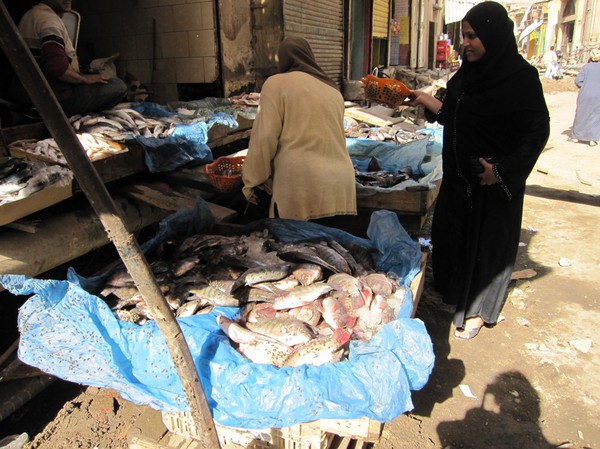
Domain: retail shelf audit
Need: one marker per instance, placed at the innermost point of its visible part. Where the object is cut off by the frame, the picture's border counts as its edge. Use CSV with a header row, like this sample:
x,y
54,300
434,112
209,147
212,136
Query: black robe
x,y
492,108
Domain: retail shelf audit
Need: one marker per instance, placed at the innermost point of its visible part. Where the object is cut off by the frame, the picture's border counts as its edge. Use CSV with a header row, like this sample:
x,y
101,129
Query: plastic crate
x,y
299,436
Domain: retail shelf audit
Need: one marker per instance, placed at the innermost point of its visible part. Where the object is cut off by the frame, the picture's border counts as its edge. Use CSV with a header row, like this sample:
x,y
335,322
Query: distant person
x,y
48,40
559,60
496,124
550,60
298,142
586,126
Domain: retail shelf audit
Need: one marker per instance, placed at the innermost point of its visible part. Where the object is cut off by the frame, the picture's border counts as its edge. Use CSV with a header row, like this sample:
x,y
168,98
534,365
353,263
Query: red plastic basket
x,y
225,173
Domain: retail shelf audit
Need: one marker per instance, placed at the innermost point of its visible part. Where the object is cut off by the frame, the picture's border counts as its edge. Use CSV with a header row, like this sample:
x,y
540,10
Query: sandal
x,y
467,334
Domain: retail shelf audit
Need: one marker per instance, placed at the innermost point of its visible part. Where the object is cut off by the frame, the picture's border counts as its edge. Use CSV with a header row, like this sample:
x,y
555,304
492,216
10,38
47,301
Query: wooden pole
x,y
92,185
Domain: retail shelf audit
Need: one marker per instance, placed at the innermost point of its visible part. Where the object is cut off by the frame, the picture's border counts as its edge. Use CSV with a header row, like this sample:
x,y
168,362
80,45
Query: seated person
x,y
48,40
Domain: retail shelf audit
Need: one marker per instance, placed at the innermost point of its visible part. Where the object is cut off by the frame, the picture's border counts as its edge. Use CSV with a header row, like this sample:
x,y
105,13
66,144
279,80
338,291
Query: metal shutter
x,y
321,22
381,18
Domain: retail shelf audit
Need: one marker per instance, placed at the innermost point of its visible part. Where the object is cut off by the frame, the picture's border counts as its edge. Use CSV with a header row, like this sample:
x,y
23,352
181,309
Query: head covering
x,y
295,55
494,28
595,55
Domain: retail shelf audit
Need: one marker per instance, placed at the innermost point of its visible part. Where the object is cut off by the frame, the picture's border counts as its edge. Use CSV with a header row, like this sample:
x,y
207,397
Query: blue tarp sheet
x,y
72,334
187,143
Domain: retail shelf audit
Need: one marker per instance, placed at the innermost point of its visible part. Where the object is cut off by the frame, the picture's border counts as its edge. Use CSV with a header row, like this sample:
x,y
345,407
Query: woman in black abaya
x,y
496,124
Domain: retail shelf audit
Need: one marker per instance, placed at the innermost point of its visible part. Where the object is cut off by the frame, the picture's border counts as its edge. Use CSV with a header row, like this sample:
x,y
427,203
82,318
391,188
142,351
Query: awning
x,y
530,29
455,10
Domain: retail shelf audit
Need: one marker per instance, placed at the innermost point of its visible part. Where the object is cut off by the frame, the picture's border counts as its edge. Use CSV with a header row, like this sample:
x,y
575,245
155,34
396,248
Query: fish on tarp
x,y
353,287
261,274
309,313
266,352
319,350
332,257
308,273
301,296
256,311
338,311
213,296
303,253
380,284
287,330
357,268
183,266
239,334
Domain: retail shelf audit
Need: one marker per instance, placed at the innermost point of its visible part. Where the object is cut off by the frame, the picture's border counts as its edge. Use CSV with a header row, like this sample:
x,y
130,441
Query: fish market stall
x,y
197,133
357,365
397,168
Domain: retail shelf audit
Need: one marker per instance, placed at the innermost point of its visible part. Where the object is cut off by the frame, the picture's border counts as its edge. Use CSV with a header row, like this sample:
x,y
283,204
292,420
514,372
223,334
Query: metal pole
x,y
92,186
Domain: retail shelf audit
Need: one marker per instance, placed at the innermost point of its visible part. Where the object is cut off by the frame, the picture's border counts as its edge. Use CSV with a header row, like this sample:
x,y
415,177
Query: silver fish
x,y
380,284
189,308
307,273
320,350
332,257
289,331
272,353
214,296
261,274
301,296
239,334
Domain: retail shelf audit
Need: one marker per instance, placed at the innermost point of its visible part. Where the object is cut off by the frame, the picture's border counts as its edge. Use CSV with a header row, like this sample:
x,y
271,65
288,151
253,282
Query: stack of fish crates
x,y
298,436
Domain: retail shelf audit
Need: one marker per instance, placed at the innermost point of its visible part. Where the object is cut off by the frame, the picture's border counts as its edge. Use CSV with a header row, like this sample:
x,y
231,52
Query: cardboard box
x,y
53,194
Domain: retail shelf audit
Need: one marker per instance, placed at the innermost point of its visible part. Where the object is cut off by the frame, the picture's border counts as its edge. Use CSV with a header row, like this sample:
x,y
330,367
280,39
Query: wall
x,y
162,43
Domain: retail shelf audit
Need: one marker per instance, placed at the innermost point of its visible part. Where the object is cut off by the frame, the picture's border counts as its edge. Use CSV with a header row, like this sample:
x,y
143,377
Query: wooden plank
x,y
418,284
20,253
159,195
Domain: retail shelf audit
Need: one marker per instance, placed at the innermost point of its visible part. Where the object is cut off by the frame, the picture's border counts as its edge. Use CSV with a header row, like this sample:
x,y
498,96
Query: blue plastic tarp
x,y
72,334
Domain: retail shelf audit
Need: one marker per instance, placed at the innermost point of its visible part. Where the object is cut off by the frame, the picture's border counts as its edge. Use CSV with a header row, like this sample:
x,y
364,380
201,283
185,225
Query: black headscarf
x,y
495,29
296,55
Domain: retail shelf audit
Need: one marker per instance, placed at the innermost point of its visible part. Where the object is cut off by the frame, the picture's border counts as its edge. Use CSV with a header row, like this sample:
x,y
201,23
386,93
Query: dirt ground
x,y
530,382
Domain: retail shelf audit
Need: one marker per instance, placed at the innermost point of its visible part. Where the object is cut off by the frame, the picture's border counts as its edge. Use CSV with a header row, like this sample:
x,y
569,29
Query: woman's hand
x,y
421,98
487,176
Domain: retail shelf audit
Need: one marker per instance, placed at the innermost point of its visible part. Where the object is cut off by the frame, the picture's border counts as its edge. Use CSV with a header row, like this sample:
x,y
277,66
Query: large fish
x,y
332,257
272,353
261,274
353,287
320,350
307,273
239,334
289,331
301,296
338,311
210,295
380,284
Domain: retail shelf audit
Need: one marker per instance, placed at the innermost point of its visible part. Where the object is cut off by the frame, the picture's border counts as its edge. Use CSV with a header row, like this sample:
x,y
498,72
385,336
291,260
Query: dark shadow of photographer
x,y
507,418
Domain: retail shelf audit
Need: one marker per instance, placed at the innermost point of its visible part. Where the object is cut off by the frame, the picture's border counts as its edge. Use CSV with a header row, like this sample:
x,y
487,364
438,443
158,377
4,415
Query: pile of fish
x,y
299,303
96,147
375,176
393,133
20,178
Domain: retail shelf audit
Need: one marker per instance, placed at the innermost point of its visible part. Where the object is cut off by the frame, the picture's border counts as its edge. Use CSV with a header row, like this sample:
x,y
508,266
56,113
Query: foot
x,y
593,143
471,328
